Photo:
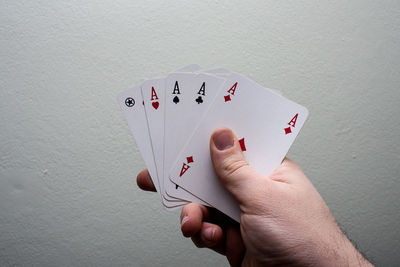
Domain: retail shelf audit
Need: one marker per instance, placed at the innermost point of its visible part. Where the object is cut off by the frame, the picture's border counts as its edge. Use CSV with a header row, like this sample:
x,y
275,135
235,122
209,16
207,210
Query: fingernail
x,y
184,219
223,139
209,234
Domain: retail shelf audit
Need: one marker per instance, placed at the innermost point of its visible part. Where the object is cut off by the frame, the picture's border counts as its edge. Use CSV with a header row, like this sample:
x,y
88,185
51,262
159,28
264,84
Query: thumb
x,y
243,182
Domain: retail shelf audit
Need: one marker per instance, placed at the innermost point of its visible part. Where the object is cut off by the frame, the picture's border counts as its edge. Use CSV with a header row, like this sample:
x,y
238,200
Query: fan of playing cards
x,y
172,118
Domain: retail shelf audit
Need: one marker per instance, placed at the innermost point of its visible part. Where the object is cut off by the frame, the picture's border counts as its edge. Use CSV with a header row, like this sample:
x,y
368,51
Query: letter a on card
x,y
185,167
231,91
153,94
292,122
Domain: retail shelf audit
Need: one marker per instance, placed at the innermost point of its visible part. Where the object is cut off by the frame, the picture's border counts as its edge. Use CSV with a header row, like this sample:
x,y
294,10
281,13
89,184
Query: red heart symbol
x,y
155,104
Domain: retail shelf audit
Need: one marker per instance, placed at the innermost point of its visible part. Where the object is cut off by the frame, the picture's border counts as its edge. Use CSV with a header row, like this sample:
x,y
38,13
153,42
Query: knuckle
x,y
290,164
231,167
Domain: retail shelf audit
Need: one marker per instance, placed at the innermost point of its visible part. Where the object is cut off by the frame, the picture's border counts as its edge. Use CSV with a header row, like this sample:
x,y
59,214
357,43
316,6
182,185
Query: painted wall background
x,y
68,163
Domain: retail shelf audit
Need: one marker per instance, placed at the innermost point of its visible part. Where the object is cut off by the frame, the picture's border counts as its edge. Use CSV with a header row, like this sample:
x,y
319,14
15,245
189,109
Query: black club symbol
x,y
129,102
199,100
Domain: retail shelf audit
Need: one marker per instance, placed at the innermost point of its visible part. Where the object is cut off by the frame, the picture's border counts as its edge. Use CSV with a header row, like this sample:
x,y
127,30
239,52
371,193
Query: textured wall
x,y
68,163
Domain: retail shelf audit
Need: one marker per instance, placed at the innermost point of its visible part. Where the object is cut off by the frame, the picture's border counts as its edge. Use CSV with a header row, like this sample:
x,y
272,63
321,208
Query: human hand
x,y
284,220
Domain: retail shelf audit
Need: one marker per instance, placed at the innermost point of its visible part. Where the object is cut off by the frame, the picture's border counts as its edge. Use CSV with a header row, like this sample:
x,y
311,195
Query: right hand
x,y
284,220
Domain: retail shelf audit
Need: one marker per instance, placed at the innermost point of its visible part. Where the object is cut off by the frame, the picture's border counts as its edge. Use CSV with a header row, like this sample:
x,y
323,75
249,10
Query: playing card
x,y
188,96
131,104
266,125
153,92
224,73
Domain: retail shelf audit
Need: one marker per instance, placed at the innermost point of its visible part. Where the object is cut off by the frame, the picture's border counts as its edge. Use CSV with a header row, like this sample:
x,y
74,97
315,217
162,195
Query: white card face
x,y
188,96
131,104
153,92
153,96
266,125
224,73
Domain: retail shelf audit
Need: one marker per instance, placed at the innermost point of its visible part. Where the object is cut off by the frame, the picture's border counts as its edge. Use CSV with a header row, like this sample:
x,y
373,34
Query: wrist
x,y
352,256
341,253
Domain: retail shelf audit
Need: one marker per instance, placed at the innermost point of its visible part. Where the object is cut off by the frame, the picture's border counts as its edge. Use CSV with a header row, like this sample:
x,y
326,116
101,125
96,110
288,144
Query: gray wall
x,y
68,163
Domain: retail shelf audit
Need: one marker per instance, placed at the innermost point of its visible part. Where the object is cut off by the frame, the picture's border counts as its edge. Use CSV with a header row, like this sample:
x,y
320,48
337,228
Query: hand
x,y
284,220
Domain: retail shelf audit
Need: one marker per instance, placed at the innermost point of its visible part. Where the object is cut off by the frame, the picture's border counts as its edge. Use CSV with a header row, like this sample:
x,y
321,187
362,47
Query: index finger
x,y
144,181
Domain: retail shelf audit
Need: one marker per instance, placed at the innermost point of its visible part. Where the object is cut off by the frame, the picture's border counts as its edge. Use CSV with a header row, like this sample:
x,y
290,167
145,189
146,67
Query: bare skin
x,y
284,220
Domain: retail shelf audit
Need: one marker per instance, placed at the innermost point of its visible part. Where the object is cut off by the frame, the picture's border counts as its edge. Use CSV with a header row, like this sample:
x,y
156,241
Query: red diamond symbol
x,y
227,98
288,130
242,145
189,159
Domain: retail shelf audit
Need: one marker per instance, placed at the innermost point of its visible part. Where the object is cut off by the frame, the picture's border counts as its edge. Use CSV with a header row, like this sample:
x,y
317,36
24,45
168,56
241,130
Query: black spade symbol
x,y
199,100
176,100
